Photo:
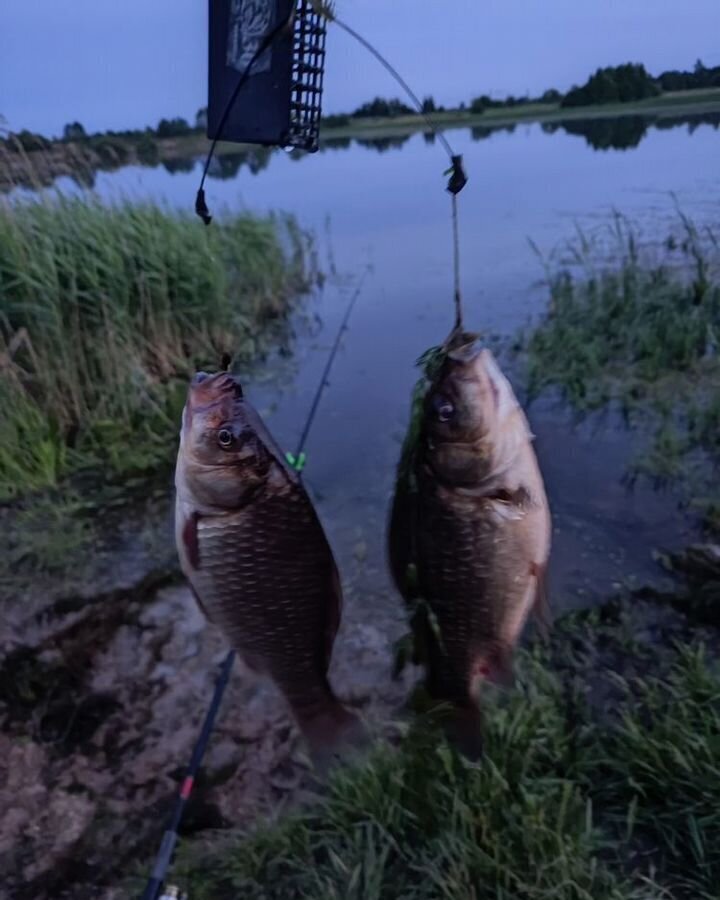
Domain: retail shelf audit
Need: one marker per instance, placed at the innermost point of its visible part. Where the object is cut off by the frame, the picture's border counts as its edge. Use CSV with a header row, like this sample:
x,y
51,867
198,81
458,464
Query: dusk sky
x,y
115,65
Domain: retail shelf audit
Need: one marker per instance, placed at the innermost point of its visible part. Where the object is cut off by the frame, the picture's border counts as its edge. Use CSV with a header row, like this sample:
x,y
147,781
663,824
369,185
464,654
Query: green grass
x,y
657,774
568,803
104,313
642,333
48,536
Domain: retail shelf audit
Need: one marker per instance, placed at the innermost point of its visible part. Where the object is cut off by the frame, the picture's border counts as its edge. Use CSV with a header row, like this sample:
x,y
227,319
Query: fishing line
x,y
297,461
398,77
167,846
456,265
458,177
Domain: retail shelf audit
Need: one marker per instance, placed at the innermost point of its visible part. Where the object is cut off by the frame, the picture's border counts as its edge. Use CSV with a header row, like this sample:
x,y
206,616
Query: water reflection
x,y
383,144
84,179
693,122
226,166
337,143
626,132
180,164
602,134
481,132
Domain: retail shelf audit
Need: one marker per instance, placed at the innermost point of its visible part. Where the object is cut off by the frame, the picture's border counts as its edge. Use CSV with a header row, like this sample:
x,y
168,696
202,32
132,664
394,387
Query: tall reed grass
x,y
623,318
104,312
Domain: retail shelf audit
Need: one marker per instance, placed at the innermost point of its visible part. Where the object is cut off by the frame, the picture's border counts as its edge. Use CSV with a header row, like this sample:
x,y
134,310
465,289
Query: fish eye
x,y
444,409
225,438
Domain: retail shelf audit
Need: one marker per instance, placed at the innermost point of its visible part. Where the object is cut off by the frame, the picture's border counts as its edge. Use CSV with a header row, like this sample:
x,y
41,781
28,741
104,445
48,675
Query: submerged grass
x,y
568,803
105,310
643,334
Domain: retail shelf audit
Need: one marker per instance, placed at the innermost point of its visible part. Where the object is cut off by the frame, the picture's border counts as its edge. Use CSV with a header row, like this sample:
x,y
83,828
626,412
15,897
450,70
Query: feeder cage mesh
x,y
307,76
280,102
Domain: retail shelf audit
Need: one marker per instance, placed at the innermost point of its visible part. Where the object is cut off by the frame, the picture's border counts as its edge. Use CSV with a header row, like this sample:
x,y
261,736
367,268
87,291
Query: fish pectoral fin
x,y
189,536
541,605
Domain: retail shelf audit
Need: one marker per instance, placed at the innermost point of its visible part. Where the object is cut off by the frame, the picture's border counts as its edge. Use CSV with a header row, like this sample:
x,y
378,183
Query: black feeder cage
x,y
279,101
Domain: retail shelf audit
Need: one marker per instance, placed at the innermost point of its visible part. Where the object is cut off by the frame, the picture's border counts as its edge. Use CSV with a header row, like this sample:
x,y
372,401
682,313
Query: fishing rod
x,y
297,462
169,839
457,175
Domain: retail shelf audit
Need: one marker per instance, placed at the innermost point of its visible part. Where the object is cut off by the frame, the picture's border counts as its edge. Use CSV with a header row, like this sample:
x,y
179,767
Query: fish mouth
x,y
462,345
206,389
215,394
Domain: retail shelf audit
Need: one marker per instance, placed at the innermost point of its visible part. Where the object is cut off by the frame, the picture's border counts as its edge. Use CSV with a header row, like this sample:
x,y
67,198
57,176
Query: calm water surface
x,y
389,210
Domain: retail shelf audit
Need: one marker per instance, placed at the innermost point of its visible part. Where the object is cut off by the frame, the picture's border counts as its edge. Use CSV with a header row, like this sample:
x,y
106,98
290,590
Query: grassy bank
x,y
106,310
600,782
640,330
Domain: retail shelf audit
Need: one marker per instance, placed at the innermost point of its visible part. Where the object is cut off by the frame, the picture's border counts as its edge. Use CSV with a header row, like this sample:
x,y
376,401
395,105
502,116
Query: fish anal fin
x,y
541,604
494,665
331,731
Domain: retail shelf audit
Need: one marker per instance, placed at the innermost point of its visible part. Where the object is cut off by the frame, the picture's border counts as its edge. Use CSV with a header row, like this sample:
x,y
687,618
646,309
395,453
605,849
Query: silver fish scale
x,y
266,578
474,573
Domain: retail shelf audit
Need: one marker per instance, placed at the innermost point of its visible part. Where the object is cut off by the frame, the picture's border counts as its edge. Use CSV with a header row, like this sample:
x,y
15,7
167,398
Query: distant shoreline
x,y
80,159
675,103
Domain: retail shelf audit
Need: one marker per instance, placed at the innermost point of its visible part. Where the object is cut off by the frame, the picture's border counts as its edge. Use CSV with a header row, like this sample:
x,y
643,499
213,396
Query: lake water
x,y
389,210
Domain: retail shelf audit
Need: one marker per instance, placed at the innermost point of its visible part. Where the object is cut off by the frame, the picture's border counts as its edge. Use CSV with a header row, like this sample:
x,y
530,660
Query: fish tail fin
x,y
463,729
332,732
459,718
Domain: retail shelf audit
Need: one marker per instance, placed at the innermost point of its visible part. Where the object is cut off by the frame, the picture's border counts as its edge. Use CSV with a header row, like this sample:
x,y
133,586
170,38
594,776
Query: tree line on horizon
x,y
612,84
